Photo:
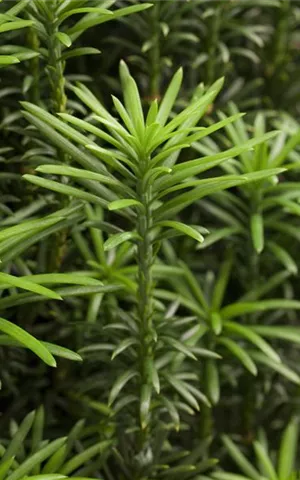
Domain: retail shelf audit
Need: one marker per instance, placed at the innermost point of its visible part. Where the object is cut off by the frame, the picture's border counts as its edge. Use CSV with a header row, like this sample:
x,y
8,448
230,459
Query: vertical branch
x,y
154,54
55,67
281,37
279,55
145,260
213,38
254,278
58,101
34,44
207,419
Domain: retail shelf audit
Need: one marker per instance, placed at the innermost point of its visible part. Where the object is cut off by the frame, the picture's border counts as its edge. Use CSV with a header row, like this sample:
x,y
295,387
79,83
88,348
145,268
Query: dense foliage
x,y
149,239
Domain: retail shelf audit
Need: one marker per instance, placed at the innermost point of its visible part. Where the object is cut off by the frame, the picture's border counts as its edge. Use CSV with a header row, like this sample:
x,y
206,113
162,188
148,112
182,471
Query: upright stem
x,y
206,424
55,67
207,413
34,44
145,309
254,257
213,45
58,102
279,54
254,274
154,54
145,260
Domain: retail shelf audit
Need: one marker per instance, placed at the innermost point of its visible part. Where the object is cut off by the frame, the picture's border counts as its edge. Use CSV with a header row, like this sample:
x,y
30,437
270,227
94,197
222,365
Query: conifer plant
x,y
136,157
149,240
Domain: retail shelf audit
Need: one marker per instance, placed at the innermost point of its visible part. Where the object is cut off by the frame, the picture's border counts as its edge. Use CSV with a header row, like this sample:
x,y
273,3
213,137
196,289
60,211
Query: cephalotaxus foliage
x,y
13,241
258,224
28,453
223,327
281,72
265,214
174,229
130,168
56,27
209,39
19,237
266,464
11,23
